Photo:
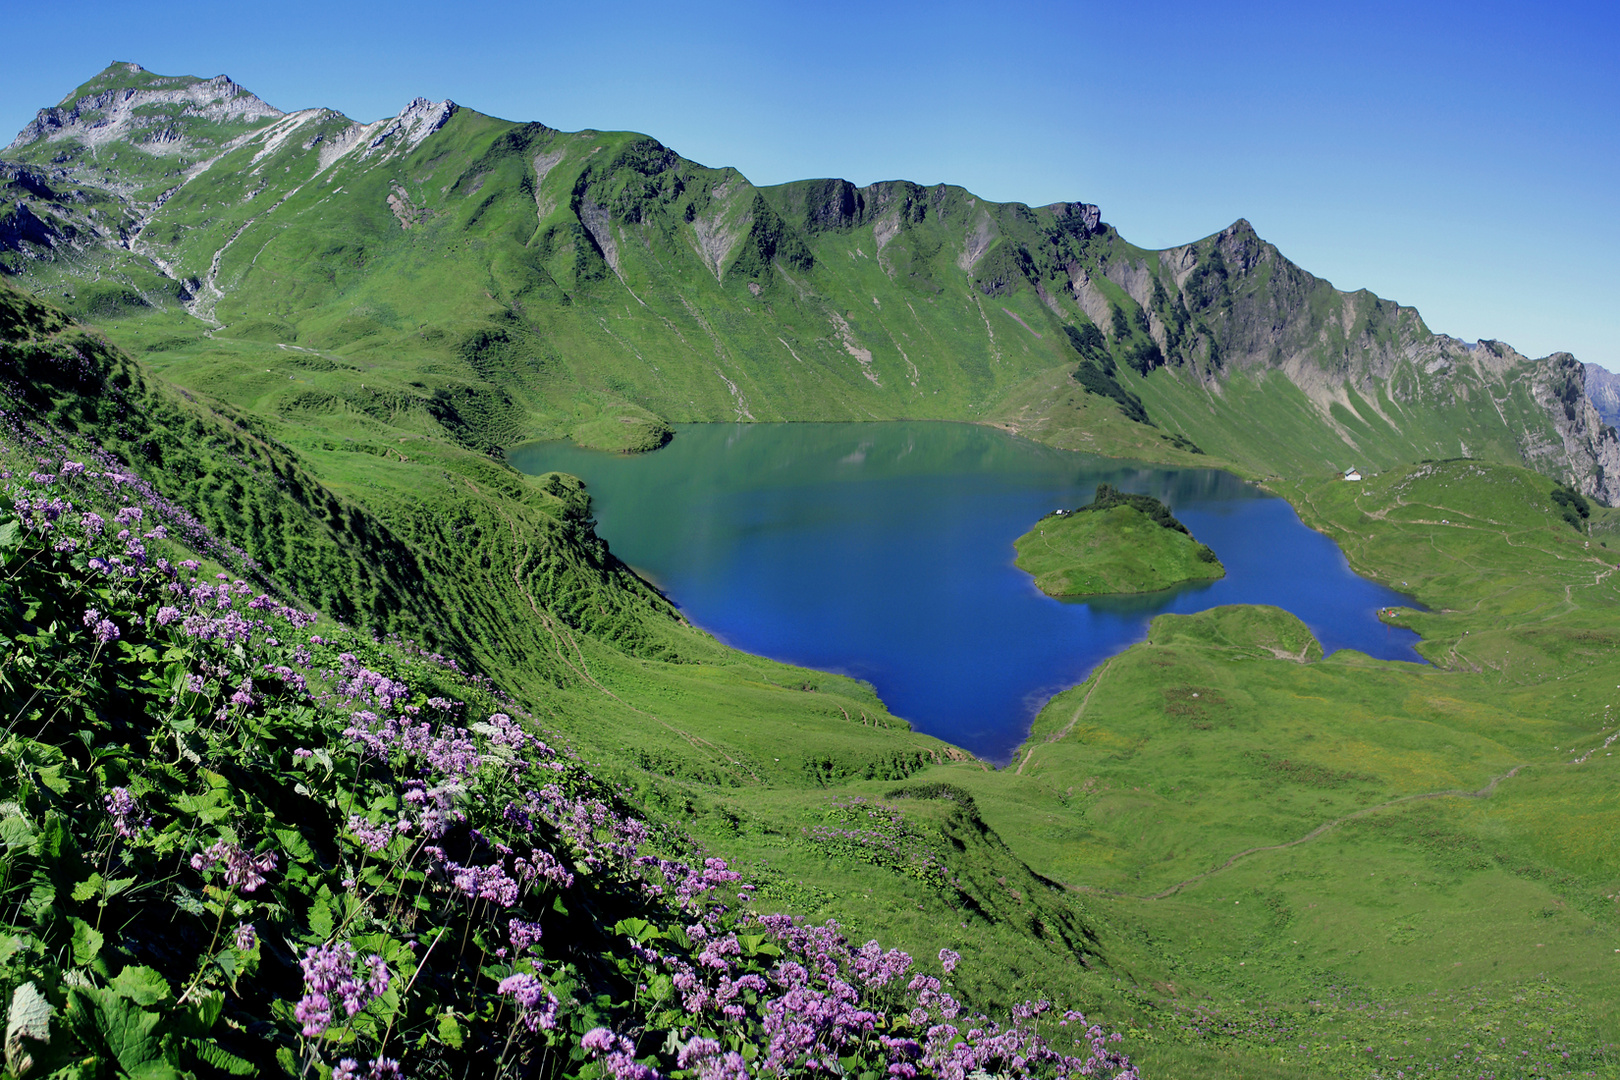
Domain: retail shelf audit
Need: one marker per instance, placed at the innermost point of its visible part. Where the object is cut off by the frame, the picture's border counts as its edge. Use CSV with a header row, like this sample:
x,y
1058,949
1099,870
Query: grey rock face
x,y
1603,387
126,113
415,122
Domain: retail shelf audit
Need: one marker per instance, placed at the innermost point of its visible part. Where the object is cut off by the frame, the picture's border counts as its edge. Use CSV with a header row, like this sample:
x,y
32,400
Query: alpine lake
x,y
884,551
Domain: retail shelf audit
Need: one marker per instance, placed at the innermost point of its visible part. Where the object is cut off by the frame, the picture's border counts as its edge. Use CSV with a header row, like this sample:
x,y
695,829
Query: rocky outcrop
x,y
1590,447
146,113
42,212
23,226
1081,217
415,122
1603,388
832,204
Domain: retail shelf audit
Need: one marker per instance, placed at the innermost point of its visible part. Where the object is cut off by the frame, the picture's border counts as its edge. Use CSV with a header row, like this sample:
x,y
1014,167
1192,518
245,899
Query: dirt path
x,y
1058,736
1483,793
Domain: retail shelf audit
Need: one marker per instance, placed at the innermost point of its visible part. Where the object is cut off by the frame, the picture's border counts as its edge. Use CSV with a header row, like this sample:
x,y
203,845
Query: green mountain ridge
x,y
502,281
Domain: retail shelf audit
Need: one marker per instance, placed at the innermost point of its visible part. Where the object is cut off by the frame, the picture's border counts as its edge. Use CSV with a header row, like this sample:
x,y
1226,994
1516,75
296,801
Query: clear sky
x,y
1458,157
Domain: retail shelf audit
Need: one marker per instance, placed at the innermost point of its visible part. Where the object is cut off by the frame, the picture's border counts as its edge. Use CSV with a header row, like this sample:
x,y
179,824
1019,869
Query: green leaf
x,y
52,778
28,1018
449,1030
112,888
196,1017
294,846
218,1057
320,915
188,903
84,890
128,1031
16,831
9,533
40,898
87,941
142,985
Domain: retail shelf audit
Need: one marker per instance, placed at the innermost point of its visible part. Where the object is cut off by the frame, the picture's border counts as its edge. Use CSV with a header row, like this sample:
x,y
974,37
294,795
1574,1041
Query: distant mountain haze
x,y
505,281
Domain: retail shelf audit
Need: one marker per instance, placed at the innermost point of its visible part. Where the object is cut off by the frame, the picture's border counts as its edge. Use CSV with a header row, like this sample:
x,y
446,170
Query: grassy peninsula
x,y
1118,543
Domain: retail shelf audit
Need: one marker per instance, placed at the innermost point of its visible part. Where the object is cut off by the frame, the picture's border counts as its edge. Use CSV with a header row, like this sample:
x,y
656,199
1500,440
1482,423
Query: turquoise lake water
x,y
885,551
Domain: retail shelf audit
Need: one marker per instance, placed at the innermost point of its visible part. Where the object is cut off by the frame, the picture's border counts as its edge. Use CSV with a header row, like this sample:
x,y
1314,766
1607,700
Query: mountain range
x,y
502,281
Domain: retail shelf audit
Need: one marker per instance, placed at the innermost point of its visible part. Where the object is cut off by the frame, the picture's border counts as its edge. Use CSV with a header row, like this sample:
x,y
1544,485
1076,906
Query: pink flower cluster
x,y
330,972
105,630
617,1055
243,869
128,820
537,1006
379,1069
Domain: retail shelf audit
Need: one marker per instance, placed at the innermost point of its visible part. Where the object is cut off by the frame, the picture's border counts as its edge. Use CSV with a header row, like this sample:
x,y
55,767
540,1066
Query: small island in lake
x,y
1119,543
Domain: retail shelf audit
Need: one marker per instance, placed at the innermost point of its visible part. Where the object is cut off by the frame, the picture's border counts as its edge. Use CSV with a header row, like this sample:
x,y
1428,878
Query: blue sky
x,y
1461,158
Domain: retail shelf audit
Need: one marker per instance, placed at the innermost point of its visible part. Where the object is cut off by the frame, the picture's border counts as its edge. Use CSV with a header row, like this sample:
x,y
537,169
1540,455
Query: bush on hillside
x,y
1108,497
1574,507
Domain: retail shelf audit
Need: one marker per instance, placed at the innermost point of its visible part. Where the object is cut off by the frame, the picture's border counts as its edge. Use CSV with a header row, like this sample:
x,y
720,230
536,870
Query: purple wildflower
x,y
373,837
523,934
243,870
329,972
127,819
104,629
537,1006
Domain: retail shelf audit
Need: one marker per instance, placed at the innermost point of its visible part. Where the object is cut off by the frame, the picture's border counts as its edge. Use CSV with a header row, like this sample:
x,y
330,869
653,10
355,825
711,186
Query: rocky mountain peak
x,y
1603,387
128,103
415,122
1088,216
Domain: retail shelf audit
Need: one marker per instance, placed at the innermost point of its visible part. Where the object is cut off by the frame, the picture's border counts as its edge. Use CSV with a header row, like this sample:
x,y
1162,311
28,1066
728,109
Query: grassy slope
x,y
698,732
1119,550
1226,732
504,570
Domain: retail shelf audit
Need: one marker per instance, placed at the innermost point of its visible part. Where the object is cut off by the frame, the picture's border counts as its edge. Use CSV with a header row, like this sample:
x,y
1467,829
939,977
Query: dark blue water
x,y
885,551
